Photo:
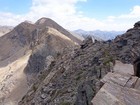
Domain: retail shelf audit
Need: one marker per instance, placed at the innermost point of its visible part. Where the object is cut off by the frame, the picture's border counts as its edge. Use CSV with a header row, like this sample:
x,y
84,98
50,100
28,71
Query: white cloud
x,y
135,13
10,19
124,21
65,13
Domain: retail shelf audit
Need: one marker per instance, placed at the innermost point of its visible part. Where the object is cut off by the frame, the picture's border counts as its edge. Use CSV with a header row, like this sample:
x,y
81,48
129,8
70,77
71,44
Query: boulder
x,y
122,68
113,94
116,79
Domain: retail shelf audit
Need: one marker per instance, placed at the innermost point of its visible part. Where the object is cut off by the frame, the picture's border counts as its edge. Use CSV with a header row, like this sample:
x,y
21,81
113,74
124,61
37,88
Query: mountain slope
x,y
18,40
38,44
73,78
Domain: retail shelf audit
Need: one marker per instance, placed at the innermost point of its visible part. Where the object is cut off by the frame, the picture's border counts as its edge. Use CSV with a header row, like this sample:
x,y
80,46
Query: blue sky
x,y
100,9
15,6
73,14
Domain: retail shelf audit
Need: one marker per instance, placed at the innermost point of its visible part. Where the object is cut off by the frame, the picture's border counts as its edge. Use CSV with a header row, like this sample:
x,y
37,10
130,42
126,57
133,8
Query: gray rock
x,y
137,24
85,94
113,94
43,96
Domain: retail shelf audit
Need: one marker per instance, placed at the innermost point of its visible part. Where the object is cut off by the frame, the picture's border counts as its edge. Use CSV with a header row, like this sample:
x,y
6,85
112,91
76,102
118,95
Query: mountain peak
x,y
24,27
43,20
47,22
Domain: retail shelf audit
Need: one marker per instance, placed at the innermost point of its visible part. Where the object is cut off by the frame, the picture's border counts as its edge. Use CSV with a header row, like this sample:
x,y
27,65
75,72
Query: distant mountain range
x,y
98,34
5,29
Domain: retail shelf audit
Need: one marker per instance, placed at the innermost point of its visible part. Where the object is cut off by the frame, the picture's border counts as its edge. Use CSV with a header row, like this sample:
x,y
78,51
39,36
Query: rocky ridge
x,y
74,77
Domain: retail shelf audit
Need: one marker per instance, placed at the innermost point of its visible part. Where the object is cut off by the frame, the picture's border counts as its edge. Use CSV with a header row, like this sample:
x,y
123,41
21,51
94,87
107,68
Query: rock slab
x,y
113,94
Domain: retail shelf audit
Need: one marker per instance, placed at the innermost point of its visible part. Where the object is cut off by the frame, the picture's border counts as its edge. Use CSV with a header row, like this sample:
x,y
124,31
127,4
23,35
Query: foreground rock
x,y
112,94
119,89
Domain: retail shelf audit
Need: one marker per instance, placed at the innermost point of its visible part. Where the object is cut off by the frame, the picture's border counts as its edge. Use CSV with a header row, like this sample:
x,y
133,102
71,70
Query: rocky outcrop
x,y
137,25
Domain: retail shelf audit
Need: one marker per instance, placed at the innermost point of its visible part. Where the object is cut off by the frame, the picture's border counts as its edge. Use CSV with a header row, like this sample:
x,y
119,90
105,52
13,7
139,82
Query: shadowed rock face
x,y
136,64
86,91
137,25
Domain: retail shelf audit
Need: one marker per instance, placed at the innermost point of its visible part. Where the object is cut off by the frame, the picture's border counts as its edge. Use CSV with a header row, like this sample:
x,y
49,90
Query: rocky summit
x,y
75,76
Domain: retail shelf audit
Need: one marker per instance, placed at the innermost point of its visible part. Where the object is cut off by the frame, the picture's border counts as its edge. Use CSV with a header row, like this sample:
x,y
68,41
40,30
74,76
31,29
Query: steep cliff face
x,y
73,78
